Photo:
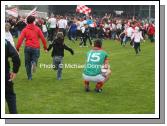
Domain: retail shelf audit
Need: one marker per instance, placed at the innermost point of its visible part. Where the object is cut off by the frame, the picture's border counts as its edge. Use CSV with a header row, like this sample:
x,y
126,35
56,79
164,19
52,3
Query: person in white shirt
x,y
119,28
78,29
84,21
129,32
44,29
8,35
137,37
62,25
82,36
52,25
113,30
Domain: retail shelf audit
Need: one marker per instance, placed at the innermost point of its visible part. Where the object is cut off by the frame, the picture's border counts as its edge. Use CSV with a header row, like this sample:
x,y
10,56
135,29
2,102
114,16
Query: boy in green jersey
x,y
97,68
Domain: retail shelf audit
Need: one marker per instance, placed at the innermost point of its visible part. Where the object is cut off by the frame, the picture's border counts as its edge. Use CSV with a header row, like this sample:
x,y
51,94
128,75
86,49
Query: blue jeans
x,y
73,35
31,57
113,35
127,39
57,61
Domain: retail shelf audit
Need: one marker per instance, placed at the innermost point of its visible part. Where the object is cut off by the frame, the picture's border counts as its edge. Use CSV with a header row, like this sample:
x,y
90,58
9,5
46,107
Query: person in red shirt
x,y
151,32
31,33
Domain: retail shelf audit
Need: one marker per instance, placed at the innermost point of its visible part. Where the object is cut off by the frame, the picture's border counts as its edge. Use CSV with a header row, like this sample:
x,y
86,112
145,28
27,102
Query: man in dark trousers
x,y
10,96
32,35
85,35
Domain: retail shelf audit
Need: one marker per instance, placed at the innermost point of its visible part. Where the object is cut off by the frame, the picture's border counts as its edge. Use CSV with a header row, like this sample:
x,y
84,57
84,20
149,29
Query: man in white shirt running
x,y
52,24
62,25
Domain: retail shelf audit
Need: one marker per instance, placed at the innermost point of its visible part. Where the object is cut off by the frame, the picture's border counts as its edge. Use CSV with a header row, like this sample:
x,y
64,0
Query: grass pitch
x,y
130,89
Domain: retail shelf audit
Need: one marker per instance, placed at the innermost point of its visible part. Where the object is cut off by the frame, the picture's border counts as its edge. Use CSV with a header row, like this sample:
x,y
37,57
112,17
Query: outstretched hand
x,y
72,52
12,76
17,50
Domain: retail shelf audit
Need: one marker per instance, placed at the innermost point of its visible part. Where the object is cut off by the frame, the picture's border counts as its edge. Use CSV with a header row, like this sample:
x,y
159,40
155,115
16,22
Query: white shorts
x,y
97,78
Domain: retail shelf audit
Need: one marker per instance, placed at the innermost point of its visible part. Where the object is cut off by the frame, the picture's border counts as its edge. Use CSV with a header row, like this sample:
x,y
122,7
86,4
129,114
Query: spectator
x,y
20,25
62,25
10,96
44,29
52,26
32,33
8,35
72,31
151,32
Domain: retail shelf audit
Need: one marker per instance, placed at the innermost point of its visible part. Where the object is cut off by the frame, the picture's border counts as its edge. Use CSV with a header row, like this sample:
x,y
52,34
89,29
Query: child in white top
x,y
137,37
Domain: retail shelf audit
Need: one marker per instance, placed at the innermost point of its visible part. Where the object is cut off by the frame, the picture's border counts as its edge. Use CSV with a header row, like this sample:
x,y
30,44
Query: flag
x,y
13,12
83,9
33,12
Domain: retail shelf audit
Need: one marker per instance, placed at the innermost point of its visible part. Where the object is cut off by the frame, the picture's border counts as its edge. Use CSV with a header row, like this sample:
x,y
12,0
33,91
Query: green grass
x,y
130,89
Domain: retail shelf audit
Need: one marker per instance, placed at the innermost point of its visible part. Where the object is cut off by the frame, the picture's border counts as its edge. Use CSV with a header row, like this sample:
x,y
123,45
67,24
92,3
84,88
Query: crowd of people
x,y
87,27
54,30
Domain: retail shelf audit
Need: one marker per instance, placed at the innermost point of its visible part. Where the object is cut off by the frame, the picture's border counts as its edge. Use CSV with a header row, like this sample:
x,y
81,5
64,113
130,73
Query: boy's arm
x,y
20,40
15,57
133,35
107,66
50,46
120,35
69,49
106,63
141,35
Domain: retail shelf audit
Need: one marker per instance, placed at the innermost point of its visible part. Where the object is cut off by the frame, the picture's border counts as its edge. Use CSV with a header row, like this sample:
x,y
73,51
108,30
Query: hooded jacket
x,y
31,33
151,30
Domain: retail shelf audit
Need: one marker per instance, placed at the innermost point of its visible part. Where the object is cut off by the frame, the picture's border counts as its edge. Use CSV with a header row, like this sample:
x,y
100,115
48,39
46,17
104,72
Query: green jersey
x,y
95,59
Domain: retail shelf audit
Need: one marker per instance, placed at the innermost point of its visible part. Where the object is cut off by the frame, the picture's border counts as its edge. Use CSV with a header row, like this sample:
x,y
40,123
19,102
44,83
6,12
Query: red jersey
x,y
32,33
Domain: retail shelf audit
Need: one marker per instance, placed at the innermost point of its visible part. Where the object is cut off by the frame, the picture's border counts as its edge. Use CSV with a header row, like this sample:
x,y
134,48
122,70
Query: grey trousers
x,y
57,62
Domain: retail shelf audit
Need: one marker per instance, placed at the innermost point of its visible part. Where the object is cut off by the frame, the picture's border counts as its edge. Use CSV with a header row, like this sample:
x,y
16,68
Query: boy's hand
x,y
12,76
17,49
72,52
46,51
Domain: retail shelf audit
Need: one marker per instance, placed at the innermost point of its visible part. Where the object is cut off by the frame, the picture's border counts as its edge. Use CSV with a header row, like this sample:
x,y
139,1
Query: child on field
x,y
137,37
58,46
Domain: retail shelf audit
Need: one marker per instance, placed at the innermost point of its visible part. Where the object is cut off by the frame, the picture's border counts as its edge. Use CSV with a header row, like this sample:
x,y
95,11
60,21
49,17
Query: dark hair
x,y
30,19
60,35
59,38
98,43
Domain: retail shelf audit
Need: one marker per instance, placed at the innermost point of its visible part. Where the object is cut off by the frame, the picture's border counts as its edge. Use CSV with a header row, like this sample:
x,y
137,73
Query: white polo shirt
x,y
78,25
62,23
83,29
137,36
52,22
129,31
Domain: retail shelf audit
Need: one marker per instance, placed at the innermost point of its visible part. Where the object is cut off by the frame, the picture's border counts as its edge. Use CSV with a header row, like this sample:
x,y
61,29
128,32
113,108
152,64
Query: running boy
x,y
58,53
137,37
